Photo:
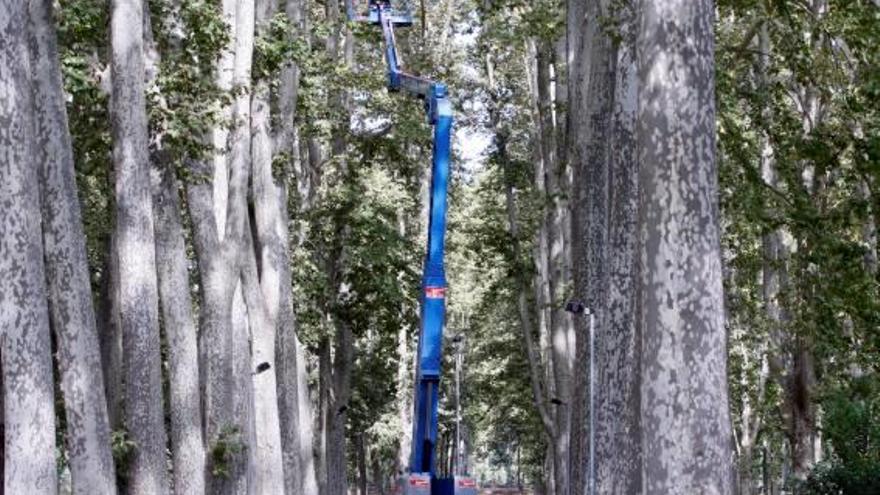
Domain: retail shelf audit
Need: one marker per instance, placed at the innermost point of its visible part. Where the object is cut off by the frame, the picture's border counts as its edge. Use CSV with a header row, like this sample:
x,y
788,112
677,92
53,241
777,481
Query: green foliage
x,y
123,450
798,101
184,103
226,449
830,479
277,45
82,49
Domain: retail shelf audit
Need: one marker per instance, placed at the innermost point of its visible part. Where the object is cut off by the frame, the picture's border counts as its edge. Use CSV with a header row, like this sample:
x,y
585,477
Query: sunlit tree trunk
x,y
686,430
218,208
245,319
67,276
28,394
263,278
135,247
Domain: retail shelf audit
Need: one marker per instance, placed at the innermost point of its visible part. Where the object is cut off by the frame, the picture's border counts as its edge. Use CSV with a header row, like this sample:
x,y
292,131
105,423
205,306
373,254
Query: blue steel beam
x,y
433,297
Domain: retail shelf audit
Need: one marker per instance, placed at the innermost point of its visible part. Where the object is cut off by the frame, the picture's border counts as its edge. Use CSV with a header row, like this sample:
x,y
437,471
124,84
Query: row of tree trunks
x,y
554,323
246,293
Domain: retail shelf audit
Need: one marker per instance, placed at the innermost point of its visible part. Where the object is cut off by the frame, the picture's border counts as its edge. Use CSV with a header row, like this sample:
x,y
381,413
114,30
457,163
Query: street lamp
x,y
579,308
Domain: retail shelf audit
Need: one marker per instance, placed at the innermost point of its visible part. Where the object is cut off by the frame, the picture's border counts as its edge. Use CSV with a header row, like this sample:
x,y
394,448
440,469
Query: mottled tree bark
x,y
28,394
686,430
187,444
618,354
578,72
325,382
135,243
67,275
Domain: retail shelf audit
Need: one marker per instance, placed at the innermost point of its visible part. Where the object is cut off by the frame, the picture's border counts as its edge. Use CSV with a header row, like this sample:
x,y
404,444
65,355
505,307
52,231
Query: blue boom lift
x,y
422,478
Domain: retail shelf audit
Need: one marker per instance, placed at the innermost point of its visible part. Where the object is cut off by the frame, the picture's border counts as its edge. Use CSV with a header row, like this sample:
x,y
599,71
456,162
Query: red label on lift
x,y
467,483
435,292
420,482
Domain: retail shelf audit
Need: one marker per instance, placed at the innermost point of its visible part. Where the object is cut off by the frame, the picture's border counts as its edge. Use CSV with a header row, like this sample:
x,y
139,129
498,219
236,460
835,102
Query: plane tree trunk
x,y
135,248
187,443
686,429
28,393
294,403
72,312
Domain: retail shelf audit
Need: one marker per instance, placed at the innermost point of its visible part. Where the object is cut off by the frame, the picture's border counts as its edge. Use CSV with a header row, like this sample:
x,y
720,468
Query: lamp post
x,y
579,308
460,468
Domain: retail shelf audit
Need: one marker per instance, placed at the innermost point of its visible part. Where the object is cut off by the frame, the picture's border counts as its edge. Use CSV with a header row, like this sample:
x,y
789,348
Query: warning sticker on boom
x,y
435,292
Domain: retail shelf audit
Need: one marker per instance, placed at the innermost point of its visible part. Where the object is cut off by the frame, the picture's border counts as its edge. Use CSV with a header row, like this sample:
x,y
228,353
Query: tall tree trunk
x,y
306,426
343,351
618,453
28,393
578,72
294,403
685,407
72,311
219,212
242,462
187,443
265,281
2,431
135,242
325,382
343,361
240,158
560,322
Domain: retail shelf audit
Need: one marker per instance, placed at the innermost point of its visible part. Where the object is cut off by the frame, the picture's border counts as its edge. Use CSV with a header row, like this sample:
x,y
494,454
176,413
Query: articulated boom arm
x,y
439,110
